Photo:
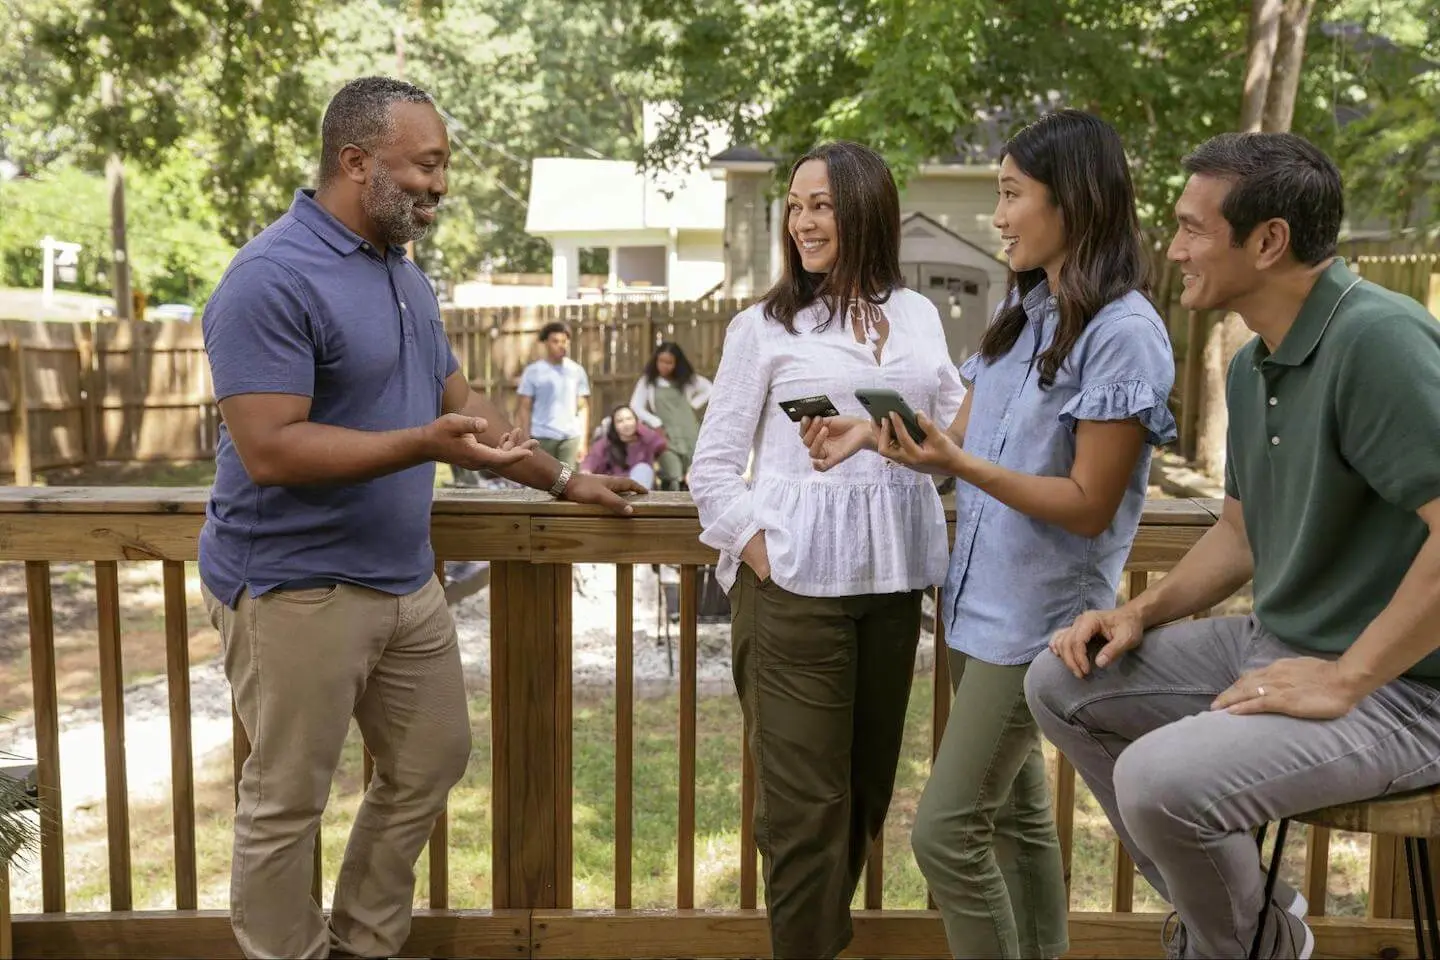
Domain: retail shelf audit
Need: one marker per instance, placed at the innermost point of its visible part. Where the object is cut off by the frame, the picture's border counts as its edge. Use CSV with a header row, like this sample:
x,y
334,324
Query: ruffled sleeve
x,y
970,369
1127,368
1126,400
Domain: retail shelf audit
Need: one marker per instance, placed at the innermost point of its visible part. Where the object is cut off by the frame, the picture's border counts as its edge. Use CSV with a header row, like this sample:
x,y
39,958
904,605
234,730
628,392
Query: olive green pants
x,y
823,685
984,833
567,451
672,468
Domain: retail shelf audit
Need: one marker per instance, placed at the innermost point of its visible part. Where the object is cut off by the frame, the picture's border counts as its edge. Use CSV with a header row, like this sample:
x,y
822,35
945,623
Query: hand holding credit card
x,y
817,406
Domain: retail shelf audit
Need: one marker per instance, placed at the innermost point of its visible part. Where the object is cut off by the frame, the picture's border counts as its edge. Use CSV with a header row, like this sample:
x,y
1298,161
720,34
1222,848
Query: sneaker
x,y
1293,900
1293,938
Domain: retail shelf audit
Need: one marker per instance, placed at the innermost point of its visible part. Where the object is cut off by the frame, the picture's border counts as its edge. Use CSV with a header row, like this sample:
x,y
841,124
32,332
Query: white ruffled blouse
x,y
866,526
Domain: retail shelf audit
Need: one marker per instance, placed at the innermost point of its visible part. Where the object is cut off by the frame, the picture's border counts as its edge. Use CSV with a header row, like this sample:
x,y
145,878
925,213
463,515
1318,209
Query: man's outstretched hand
x,y
455,439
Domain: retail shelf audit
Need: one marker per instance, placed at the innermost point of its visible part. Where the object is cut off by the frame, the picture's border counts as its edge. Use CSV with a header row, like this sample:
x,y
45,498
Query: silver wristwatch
x,y
557,489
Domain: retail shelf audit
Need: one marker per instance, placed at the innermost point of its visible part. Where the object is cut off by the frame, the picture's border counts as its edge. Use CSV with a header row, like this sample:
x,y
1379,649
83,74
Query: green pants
x,y
672,468
567,451
984,833
823,684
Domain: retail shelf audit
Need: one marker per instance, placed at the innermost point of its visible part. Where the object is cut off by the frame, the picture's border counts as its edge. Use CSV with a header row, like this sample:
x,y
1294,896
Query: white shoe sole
x,y
1309,947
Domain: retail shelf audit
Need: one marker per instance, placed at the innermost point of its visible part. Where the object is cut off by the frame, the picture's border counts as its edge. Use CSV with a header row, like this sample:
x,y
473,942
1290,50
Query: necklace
x,y
869,316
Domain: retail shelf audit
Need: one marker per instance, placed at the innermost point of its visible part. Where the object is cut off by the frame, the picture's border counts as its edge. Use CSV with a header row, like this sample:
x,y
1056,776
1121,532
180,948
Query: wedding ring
x,y
1260,690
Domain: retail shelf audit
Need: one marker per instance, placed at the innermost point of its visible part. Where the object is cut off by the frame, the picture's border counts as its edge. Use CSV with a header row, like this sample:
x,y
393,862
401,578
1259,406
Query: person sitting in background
x,y
669,397
626,448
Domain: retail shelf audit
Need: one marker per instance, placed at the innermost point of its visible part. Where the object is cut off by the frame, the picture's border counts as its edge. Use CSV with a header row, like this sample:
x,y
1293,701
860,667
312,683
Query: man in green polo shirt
x,y
1192,734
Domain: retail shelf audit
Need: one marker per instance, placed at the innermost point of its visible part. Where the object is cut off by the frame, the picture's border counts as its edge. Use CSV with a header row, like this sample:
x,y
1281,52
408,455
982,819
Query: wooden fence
x,y
531,542
110,392
137,392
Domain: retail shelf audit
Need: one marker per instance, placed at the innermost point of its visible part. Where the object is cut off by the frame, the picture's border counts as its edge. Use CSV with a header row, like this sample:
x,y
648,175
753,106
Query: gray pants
x,y
1183,785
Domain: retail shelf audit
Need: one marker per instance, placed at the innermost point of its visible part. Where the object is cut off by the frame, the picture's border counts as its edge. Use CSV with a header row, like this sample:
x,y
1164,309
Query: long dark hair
x,y
683,374
1081,162
615,450
867,228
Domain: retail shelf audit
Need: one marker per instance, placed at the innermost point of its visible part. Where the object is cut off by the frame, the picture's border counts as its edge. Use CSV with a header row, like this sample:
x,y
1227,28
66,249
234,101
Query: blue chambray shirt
x,y
1014,580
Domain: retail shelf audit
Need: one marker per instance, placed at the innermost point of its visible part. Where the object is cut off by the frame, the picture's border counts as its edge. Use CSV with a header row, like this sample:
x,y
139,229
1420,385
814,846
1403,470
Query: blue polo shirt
x,y
310,308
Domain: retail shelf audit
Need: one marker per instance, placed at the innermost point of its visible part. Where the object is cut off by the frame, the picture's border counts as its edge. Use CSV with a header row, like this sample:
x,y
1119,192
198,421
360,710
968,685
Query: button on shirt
x,y
308,308
1014,580
1334,444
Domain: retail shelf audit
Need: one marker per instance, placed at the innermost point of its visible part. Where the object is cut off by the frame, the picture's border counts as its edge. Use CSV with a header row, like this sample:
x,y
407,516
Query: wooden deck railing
x,y
531,543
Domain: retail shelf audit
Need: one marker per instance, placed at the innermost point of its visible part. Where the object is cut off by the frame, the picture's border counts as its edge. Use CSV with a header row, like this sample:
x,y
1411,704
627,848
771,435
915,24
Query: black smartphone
x,y
882,403
819,406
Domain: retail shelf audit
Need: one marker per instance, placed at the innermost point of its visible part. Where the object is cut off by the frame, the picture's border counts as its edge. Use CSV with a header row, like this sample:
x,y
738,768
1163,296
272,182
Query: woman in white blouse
x,y
825,570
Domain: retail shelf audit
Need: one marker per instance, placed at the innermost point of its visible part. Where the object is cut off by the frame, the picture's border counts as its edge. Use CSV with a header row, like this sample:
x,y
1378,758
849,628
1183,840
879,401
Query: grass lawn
x,y
717,840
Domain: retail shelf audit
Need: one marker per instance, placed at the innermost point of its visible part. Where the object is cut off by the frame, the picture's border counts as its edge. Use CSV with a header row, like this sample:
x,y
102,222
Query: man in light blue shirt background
x,y
555,398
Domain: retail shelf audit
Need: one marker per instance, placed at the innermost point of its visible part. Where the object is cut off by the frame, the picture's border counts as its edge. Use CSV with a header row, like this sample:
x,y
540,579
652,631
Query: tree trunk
x,y
1285,77
115,185
1265,17
1263,75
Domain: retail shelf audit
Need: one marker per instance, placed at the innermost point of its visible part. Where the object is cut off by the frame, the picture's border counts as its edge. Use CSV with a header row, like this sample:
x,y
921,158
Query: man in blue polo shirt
x,y
1193,732
338,394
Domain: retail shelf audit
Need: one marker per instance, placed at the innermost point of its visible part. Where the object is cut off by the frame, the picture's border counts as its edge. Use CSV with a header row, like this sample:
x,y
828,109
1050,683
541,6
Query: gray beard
x,y
393,210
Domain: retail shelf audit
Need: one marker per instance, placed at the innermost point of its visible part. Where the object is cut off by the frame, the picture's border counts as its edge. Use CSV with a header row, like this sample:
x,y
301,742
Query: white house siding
x,y
962,204
699,263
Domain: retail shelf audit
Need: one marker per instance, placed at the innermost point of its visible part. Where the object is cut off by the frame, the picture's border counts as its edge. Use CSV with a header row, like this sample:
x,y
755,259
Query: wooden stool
x,y
1415,816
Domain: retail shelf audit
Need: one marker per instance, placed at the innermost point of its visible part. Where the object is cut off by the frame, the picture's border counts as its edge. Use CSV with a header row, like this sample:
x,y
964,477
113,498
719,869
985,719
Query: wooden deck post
x,y
19,416
531,723
7,939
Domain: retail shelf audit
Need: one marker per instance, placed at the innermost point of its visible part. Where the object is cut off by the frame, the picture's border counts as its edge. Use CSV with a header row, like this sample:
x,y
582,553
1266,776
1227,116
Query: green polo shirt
x,y
1334,444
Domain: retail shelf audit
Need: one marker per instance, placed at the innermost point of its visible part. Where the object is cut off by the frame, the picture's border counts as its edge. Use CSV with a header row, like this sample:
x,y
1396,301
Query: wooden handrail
x,y
163,523
531,541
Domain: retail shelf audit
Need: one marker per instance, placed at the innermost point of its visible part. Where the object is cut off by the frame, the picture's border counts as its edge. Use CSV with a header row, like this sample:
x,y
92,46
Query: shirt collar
x,y
1038,304
1315,315
324,225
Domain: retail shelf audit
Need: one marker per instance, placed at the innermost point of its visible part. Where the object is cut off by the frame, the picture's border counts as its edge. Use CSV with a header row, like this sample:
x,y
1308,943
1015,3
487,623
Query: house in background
x,y
947,242
663,230
715,229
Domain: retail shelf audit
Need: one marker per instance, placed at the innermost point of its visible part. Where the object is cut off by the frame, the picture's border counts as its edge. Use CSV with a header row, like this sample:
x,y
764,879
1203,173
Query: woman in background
x,y
626,448
669,397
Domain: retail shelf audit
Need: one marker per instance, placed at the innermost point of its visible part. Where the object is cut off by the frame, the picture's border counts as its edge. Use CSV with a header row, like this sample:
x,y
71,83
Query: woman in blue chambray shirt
x,y
1052,450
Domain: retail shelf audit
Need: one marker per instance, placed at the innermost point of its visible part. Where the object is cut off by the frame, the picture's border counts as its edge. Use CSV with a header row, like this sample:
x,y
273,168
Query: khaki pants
x,y
300,664
984,834
823,684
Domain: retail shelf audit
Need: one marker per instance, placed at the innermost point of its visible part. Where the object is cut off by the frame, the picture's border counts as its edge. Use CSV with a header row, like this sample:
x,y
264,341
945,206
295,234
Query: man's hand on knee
x,y
1121,630
1305,687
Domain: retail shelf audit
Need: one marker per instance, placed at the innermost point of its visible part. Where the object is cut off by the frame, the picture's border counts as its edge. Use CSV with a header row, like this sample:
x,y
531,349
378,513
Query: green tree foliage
x,y
1386,71
177,252
921,78
516,79
235,89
